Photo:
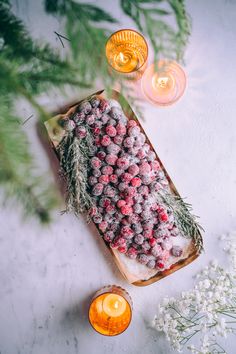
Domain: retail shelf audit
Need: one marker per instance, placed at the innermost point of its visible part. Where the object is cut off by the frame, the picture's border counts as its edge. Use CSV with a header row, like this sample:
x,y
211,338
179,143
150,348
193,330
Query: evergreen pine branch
x,y
150,19
17,169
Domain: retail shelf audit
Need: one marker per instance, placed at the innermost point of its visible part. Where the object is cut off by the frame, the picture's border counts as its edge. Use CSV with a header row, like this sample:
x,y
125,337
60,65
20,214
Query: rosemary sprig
x,y
185,220
74,158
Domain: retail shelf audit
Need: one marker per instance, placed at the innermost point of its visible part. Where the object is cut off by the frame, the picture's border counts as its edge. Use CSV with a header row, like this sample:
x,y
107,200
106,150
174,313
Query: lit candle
x,y
164,83
110,311
126,51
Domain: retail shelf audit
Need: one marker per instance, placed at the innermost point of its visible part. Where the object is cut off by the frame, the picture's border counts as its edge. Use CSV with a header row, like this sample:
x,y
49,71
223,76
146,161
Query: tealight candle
x,y
126,51
164,83
110,311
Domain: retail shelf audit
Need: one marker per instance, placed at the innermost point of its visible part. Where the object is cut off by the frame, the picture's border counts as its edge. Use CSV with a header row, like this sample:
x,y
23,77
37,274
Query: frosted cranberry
x,y
104,106
92,211
132,123
126,210
96,111
97,219
101,155
97,189
92,180
143,258
174,232
90,119
111,159
84,106
114,244
132,151
106,140
109,236
104,179
119,171
148,233
111,122
139,239
121,129
129,201
107,170
128,142
147,179
130,192
96,172
154,207
80,132
123,162
155,166
144,168
166,244
105,118
125,221
137,227
133,218
176,251
79,117
134,131
151,156
118,139
140,140
104,202
143,190
102,226
109,191
120,203
111,130
136,182
138,198
133,169
160,265
122,186
121,241
132,253
163,216
122,249
137,208
95,162
127,232
152,242
156,250
94,101
110,209
141,154
164,255
151,264
113,179
96,130
126,177
113,149
97,141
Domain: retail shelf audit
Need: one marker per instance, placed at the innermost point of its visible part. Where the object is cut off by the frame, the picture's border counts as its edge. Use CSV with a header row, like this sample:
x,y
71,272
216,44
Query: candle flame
x,y
162,82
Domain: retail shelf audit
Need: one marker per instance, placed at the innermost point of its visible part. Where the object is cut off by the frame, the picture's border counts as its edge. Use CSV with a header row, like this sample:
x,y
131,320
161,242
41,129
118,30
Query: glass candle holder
x,y
110,311
126,51
163,83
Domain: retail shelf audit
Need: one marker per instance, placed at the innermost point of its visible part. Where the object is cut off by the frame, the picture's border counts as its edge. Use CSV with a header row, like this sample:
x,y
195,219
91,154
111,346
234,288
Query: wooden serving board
x,y
134,272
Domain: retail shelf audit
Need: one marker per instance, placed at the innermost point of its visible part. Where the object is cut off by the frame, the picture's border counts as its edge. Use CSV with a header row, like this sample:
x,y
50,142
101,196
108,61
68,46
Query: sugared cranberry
x,y
118,139
111,159
97,189
122,249
160,265
136,182
107,170
95,162
132,123
133,169
176,251
113,179
104,179
132,253
123,163
110,209
126,177
106,140
121,129
111,130
163,216
144,168
152,242
101,155
127,232
80,132
120,203
126,210
102,226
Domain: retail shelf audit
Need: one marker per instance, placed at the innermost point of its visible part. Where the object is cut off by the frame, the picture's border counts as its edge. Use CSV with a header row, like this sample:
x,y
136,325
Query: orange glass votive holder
x,y
163,83
126,51
110,311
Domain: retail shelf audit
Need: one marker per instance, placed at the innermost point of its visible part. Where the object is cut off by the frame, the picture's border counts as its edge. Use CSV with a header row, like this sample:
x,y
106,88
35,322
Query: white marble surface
x,y
48,275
